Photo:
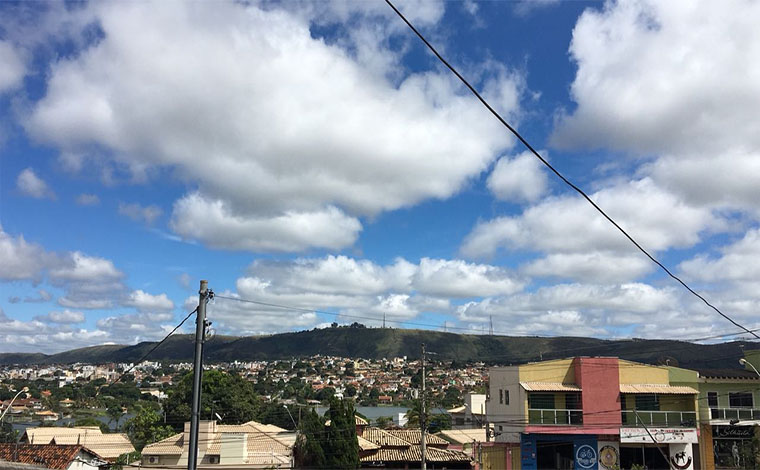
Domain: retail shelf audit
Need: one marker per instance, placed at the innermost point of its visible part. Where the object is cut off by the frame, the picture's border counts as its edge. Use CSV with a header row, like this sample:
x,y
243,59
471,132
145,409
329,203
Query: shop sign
x,y
681,457
733,432
585,457
609,455
659,435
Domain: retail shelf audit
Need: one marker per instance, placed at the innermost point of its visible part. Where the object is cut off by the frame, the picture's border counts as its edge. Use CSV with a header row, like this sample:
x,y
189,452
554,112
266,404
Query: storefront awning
x,y
657,388
549,387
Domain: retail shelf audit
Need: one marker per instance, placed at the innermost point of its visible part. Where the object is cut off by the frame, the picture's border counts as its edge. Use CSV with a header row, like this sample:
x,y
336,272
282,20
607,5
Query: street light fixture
x,y
745,363
23,390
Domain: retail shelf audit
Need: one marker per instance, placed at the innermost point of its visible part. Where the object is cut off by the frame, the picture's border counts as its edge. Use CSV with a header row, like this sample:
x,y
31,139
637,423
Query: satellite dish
x,y
217,416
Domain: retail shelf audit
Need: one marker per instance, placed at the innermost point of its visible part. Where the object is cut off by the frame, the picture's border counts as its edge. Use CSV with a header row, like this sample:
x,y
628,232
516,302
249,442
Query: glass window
x,y
501,396
740,400
543,401
506,397
648,402
712,399
573,401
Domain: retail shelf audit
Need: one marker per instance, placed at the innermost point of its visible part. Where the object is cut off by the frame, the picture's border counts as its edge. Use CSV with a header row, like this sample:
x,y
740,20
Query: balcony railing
x,y
555,417
660,418
735,413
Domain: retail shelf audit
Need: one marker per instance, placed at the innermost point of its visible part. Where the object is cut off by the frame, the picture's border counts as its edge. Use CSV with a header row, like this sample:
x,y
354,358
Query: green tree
x,y
439,422
341,448
309,451
384,422
230,396
7,433
146,427
90,421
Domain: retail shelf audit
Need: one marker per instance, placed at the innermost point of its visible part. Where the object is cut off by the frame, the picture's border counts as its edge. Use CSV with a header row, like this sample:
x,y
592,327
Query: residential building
x,y
729,411
593,413
63,457
471,414
108,446
400,448
248,445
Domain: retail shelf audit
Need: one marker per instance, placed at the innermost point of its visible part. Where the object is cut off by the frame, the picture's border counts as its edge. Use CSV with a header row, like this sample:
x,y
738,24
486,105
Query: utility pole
x,y
204,295
422,414
490,320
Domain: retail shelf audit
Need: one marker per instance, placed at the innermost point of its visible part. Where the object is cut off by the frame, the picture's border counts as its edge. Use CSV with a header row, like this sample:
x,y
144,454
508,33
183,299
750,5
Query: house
x,y
729,411
379,448
471,414
108,446
593,412
249,445
47,415
64,457
66,403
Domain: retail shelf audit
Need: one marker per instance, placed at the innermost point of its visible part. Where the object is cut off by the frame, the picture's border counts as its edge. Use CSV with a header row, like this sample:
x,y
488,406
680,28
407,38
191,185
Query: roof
x,y
657,388
728,374
266,444
549,387
413,436
463,436
365,444
458,409
108,446
358,419
414,454
383,438
48,455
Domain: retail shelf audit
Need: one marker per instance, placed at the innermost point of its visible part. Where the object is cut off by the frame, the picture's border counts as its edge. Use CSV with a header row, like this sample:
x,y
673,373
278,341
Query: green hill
x,y
376,343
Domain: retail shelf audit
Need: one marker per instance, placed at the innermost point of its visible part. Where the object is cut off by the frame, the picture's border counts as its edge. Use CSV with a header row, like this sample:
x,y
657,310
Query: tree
x,y
384,422
350,390
146,427
341,448
439,422
7,433
90,421
309,452
229,395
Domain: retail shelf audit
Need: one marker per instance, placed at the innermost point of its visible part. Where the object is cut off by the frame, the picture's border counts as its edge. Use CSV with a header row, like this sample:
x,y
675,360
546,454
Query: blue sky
x,y
316,155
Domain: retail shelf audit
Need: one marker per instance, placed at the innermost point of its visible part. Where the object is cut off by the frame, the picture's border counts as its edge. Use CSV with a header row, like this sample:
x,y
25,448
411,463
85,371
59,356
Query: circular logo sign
x,y
608,457
585,456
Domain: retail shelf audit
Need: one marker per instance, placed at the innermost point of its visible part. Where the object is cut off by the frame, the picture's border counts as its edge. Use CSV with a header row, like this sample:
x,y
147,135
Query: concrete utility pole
x,y
200,334
422,414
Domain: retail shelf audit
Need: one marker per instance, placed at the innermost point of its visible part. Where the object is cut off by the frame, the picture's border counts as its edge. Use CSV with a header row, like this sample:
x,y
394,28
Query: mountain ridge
x,y
375,343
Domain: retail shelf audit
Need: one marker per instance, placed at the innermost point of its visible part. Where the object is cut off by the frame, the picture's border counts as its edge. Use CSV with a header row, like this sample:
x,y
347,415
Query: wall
x,y
506,378
635,373
598,377
560,370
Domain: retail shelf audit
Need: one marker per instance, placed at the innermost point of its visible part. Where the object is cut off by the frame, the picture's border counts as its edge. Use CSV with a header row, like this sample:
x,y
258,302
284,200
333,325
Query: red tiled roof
x,y
48,455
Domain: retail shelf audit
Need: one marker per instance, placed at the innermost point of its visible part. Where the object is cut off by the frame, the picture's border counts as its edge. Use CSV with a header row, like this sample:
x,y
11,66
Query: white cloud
x,y
20,260
654,217
212,222
296,128
90,282
145,302
593,266
666,77
138,213
13,70
29,184
457,278
136,327
88,200
521,178
63,317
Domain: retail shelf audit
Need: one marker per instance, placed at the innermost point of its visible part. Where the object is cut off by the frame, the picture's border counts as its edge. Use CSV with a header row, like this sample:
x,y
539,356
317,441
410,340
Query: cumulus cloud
x,y
63,317
214,223
20,260
91,282
145,302
13,70
136,327
656,218
290,144
138,213
521,178
29,184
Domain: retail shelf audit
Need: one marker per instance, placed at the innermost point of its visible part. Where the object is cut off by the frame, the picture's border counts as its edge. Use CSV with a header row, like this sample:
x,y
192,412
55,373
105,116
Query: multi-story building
x,y
593,413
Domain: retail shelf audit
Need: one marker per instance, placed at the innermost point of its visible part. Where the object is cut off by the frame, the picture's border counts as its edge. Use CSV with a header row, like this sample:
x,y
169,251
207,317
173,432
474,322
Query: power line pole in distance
x,y
204,295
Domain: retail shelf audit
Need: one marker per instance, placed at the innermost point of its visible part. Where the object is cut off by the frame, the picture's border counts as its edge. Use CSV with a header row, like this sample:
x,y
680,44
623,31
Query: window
x,y
648,402
542,401
573,401
501,396
740,400
506,397
712,399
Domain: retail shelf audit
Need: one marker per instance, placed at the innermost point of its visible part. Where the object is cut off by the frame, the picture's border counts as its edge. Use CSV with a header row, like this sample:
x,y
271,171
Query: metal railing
x,y
555,416
660,418
734,413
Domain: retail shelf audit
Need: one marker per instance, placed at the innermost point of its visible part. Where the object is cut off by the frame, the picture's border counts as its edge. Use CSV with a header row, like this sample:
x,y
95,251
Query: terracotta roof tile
x,y
47,455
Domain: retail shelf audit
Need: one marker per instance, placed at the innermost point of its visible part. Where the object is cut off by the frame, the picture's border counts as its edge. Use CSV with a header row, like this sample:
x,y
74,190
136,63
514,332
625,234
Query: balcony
x,y
660,418
552,417
735,414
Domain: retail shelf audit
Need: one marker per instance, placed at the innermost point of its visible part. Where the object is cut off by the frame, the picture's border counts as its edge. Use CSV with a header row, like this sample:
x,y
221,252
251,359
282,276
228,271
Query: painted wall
x,y
598,377
501,415
560,370
635,373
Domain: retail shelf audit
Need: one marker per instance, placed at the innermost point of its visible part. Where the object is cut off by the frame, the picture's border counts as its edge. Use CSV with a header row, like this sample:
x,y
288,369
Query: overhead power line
x,y
560,175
